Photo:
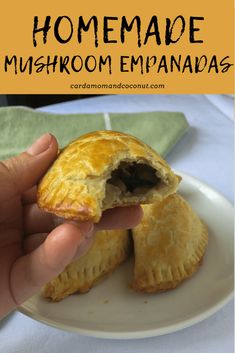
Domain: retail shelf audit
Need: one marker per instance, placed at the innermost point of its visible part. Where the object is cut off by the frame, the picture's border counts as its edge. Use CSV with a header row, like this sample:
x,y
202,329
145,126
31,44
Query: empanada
x,y
102,170
109,249
169,245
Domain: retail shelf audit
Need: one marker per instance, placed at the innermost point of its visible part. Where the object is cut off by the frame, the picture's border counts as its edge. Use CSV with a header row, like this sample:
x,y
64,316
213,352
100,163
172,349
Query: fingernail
x,y
90,232
40,145
86,228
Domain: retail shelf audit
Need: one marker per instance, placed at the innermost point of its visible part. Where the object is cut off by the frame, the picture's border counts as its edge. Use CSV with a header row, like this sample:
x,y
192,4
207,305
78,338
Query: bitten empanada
x,y
169,245
109,249
101,170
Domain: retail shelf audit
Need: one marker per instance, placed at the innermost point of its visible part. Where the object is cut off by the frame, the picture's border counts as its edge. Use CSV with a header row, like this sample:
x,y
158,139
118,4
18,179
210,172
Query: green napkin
x,y
20,126
160,130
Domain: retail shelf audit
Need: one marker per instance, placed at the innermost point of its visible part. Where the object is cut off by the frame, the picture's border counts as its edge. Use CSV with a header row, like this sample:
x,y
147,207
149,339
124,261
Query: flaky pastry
x,y
109,249
169,245
101,170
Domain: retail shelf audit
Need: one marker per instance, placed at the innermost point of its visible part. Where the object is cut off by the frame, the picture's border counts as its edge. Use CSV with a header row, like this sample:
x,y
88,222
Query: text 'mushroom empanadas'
x,y
169,245
109,249
101,170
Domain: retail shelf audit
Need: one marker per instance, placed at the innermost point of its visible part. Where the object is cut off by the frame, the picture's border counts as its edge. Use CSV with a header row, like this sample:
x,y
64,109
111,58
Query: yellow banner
x,y
108,47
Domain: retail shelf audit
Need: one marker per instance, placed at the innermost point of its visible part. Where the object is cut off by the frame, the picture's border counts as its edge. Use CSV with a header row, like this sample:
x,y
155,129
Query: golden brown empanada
x,y
169,245
109,249
102,170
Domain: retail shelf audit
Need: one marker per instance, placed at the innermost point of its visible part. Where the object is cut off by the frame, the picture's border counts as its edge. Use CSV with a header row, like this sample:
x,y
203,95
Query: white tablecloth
x,y
205,152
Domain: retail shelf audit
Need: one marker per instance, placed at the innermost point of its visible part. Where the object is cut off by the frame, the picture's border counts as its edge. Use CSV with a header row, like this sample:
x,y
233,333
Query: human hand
x,y
36,246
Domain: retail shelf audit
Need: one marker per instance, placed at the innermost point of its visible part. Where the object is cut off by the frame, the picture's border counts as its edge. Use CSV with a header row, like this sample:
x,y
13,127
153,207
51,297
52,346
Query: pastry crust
x,y
101,170
109,249
169,245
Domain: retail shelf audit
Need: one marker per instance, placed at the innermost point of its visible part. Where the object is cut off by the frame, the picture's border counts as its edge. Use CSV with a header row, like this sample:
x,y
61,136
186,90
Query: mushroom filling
x,y
134,178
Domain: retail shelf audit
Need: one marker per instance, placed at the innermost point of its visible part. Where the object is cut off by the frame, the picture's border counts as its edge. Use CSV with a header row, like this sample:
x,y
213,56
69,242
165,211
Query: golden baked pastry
x,y
109,249
169,245
101,170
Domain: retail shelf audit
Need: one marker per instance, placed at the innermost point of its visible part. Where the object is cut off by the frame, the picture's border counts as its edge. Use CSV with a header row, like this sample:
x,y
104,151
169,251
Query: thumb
x,y
26,169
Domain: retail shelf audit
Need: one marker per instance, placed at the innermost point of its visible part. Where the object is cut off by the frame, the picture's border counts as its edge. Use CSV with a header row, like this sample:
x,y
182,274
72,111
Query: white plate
x,y
113,310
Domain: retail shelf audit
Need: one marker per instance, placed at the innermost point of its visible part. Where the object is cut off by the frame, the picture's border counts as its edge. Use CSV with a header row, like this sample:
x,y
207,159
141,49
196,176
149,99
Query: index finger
x,y
120,218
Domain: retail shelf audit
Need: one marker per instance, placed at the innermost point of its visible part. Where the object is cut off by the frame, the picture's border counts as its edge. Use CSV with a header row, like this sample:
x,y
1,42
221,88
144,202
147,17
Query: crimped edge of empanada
x,y
80,279
153,282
